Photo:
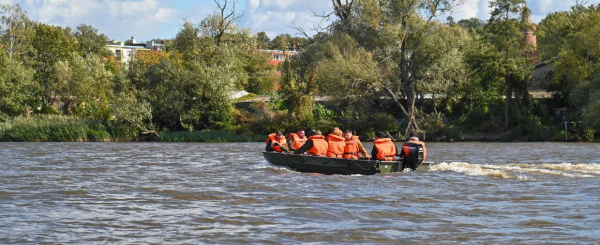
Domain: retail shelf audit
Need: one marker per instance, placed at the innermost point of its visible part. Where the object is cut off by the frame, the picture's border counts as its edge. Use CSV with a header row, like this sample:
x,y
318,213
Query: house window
x,y
118,53
279,57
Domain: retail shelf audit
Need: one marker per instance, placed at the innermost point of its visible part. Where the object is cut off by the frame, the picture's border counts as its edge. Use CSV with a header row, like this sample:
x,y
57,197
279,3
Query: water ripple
x,y
138,193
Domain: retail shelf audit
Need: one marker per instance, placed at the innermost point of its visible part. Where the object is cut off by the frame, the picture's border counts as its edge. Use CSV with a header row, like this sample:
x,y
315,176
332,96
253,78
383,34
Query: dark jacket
x,y
309,144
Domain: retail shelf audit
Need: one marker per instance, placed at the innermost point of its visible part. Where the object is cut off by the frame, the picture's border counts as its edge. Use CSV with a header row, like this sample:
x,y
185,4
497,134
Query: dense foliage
x,y
381,65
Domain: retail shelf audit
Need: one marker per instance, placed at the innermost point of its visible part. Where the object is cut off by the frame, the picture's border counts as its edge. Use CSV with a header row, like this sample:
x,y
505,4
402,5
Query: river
x,y
200,193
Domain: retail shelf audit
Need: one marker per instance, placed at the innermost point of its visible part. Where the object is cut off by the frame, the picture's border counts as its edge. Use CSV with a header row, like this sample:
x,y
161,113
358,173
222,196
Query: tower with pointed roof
x,y
529,39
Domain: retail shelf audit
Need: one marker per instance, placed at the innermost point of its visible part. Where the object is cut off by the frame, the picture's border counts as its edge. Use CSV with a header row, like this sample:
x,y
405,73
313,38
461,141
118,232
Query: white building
x,y
126,52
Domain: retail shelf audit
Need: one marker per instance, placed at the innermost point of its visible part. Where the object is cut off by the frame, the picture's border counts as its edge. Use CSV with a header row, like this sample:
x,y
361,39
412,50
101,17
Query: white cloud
x,y
468,10
539,8
252,5
146,19
277,17
118,19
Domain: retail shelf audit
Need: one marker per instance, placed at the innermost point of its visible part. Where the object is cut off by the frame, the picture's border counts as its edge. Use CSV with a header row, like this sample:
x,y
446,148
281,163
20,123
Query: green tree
x,y
571,38
506,38
15,31
86,82
16,88
91,42
295,93
473,25
51,44
399,35
131,115
263,39
184,95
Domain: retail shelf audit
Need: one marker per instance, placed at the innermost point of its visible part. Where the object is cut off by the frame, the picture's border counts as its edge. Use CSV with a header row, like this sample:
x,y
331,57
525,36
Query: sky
x,y
149,19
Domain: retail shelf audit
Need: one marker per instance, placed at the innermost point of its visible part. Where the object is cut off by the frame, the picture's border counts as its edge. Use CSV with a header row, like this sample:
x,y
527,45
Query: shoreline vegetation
x,y
505,79
54,128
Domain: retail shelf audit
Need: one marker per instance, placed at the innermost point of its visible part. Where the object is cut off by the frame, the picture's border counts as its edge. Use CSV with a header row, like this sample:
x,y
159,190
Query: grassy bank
x,y
53,128
209,136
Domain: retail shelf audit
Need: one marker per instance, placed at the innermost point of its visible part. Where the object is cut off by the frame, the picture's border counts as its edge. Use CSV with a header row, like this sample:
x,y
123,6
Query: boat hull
x,y
328,165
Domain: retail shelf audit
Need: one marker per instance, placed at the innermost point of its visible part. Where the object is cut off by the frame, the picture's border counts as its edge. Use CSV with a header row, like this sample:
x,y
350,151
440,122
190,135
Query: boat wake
x,y
471,169
521,171
270,167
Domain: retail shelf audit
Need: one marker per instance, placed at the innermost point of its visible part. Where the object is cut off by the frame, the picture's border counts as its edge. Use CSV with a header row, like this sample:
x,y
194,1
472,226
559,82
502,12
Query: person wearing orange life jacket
x,y
336,143
353,146
315,145
297,140
276,142
383,148
414,153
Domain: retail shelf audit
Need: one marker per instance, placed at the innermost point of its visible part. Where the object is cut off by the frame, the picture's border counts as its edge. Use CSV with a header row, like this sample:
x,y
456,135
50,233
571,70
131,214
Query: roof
x,y
125,46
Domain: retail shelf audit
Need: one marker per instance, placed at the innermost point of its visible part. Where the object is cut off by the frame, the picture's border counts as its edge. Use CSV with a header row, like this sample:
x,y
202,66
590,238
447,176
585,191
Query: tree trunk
x,y
507,101
409,89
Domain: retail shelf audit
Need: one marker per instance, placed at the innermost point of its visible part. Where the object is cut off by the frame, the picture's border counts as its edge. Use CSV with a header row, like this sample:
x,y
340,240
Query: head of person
x,y
278,134
317,132
380,134
348,134
300,133
413,138
337,131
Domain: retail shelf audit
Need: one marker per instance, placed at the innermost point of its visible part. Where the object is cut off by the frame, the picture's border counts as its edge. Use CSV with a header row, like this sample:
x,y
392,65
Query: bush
x,y
211,136
588,135
433,124
53,128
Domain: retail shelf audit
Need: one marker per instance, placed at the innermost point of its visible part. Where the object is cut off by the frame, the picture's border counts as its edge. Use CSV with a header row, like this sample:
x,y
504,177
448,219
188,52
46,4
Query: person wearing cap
x,y
353,146
315,145
413,152
276,142
383,148
335,143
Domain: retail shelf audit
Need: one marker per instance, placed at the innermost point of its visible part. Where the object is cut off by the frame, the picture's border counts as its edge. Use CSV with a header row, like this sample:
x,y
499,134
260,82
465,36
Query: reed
x,y
211,136
53,128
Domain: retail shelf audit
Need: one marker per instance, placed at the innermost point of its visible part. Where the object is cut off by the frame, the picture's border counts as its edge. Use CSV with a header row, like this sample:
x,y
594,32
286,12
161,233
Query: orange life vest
x,y
281,142
386,150
405,148
336,146
351,149
297,142
319,147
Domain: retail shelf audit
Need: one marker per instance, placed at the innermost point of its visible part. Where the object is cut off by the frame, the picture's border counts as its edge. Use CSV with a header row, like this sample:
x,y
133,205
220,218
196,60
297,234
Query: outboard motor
x,y
412,154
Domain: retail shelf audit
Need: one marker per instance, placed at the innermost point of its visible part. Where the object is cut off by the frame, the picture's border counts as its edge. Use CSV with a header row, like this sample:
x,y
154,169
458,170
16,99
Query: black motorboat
x,y
328,165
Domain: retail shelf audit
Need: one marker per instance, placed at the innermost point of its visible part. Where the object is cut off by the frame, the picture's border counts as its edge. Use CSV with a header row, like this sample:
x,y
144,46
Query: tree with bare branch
x,y
223,19
399,35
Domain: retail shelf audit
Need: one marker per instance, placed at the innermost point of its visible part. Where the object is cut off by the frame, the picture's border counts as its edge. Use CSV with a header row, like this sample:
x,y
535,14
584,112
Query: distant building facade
x,y
125,51
278,56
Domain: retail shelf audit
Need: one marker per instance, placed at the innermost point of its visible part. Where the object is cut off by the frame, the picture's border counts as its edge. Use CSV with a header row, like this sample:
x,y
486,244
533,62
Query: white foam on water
x,y
471,169
272,167
525,178
563,169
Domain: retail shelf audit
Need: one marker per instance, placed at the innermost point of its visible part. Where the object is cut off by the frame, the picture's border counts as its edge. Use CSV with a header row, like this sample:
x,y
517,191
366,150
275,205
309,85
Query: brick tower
x,y
529,38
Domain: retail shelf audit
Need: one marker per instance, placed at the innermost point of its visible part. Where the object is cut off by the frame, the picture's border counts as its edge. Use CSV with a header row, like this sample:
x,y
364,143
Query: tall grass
x,y
53,128
211,136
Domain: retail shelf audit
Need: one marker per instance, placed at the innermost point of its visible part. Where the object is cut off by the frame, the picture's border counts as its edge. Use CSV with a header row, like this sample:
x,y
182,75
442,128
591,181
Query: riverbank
x,y
72,129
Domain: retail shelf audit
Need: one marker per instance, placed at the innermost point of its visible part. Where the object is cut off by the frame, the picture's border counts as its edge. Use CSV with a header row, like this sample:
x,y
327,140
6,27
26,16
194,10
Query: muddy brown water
x,y
199,193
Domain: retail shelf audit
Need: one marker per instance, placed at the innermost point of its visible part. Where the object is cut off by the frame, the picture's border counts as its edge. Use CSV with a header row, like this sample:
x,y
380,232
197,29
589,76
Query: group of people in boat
x,y
340,144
